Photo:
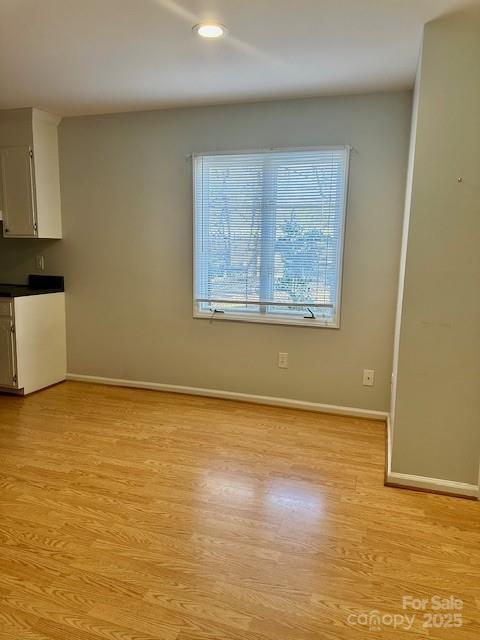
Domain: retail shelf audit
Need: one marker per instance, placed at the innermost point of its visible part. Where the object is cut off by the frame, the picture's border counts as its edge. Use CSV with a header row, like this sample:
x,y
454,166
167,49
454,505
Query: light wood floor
x,y
129,514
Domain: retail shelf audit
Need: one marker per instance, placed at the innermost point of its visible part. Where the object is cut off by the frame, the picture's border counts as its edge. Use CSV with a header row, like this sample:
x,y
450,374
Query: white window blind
x,y
269,235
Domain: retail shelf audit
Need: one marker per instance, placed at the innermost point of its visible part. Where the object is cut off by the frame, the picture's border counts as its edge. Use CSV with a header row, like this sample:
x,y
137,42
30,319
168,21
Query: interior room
x,y
239,319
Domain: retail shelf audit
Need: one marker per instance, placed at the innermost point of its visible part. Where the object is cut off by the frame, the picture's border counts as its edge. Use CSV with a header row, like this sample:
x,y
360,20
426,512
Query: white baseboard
x,y
393,478
233,395
433,484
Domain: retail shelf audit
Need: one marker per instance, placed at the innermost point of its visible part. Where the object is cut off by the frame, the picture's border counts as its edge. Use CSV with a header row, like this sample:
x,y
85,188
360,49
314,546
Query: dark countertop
x,y
37,285
16,290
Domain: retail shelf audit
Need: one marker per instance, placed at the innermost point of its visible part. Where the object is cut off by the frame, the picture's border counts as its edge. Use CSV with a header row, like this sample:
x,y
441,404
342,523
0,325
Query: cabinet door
x,y
7,354
19,216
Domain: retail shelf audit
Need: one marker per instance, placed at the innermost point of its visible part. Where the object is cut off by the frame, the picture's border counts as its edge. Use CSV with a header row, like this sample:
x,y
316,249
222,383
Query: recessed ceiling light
x,y
210,30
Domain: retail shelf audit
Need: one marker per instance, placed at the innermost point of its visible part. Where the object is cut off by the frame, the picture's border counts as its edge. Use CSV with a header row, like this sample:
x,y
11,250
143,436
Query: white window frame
x,y
269,318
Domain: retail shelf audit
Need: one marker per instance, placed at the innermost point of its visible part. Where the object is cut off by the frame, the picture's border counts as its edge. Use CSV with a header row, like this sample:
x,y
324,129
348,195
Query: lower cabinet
x,y
8,374
32,342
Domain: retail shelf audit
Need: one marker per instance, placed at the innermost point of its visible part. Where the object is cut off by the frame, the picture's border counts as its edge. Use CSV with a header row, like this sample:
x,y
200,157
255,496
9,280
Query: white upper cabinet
x,y
29,174
19,211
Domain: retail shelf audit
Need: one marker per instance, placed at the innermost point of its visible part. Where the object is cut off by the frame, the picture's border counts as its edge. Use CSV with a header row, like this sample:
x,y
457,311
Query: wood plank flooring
x,y
137,515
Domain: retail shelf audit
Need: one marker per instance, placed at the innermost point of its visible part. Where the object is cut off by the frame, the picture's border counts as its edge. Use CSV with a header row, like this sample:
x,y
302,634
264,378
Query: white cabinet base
x,y
39,342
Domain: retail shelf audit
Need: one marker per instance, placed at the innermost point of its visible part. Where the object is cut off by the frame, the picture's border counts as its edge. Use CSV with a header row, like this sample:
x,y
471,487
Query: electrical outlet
x,y
283,360
369,377
39,263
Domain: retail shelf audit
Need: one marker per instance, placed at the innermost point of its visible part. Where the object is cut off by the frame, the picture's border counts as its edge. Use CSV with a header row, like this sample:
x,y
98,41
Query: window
x,y
268,229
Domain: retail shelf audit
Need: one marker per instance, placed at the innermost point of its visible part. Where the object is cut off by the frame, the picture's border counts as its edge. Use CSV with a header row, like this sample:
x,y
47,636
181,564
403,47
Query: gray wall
x,y
437,409
127,250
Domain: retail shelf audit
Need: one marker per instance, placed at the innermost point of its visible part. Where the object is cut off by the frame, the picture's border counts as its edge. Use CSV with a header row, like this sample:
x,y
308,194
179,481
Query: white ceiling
x,y
96,56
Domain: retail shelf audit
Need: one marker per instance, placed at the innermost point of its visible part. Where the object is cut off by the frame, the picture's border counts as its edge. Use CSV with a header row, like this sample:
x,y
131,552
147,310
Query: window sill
x,y
268,319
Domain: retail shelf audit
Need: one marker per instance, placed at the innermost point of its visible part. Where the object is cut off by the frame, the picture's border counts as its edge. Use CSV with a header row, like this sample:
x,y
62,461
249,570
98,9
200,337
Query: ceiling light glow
x,y
210,30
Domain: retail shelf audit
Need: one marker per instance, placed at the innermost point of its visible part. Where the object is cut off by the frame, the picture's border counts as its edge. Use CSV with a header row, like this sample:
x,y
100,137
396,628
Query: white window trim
x,y
265,318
